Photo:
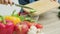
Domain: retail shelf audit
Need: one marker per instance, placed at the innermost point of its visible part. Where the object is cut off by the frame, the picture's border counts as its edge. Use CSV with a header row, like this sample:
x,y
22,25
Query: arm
x,y
23,2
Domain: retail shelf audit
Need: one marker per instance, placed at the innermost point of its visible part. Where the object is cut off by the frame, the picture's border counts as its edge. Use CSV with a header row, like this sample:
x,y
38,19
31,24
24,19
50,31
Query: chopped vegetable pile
x,y
19,24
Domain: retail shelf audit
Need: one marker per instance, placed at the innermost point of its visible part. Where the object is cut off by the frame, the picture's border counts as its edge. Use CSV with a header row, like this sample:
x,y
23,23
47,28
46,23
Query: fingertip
x,y
6,2
10,2
0,2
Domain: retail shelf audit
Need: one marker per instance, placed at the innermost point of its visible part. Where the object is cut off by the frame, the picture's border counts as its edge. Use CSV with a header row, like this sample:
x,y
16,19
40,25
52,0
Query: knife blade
x,y
19,5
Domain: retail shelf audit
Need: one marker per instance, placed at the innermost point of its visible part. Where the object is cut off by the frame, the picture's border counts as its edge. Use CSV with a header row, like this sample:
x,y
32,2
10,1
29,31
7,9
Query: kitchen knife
x,y
19,5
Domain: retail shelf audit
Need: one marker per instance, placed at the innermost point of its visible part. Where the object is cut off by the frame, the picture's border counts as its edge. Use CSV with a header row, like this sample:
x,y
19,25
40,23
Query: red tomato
x,y
27,23
38,25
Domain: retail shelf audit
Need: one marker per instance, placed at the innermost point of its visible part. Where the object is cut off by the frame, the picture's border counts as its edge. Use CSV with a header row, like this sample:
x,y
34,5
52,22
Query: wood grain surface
x,y
42,6
50,21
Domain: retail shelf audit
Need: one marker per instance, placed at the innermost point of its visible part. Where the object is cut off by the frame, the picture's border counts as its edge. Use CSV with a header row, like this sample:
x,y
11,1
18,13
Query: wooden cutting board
x,y
42,6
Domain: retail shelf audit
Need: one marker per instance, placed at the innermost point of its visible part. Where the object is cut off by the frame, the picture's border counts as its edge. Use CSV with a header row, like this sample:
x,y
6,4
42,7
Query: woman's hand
x,y
6,2
53,0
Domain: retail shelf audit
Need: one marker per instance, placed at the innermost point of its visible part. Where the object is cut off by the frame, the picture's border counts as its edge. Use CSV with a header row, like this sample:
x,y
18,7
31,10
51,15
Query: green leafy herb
x,y
1,18
22,18
32,11
29,19
15,14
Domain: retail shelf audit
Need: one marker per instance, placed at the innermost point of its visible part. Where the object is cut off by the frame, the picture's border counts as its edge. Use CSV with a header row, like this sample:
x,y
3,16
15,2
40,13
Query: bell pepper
x,y
6,27
21,29
14,19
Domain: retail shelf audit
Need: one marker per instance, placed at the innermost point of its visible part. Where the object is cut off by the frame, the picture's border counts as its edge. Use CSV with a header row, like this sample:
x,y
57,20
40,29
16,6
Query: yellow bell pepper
x,y
15,20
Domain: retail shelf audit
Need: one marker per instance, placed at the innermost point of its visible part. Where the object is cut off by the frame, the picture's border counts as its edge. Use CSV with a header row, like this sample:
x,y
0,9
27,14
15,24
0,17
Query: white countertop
x,y
7,9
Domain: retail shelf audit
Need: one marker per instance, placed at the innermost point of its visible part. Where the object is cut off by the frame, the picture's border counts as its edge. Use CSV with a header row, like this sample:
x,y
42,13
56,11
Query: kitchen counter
x,y
50,22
